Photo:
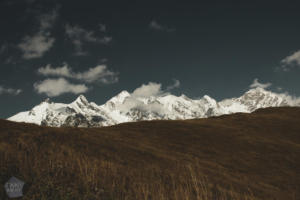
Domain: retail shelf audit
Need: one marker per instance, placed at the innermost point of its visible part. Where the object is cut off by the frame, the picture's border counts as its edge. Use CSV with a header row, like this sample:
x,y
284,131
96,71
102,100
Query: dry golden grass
x,y
240,156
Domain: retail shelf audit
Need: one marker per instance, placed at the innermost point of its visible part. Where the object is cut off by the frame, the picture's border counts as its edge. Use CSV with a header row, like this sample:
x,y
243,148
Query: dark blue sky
x,y
212,47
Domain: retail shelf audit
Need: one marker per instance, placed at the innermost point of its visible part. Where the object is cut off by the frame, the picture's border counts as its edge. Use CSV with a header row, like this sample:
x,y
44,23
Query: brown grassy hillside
x,y
239,156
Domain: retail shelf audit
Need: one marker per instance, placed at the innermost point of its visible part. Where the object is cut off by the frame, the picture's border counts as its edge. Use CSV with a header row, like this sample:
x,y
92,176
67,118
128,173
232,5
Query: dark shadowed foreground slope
x,y
239,156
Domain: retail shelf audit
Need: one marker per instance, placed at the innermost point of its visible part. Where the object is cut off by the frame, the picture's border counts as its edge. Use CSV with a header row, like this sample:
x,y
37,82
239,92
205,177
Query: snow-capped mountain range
x,y
126,107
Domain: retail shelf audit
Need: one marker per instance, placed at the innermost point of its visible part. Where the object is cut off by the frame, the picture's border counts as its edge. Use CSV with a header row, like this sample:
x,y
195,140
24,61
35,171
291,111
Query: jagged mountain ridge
x,y
126,108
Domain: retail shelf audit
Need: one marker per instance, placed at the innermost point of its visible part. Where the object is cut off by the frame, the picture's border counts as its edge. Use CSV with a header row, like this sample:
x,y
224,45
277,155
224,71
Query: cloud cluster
x,y
47,20
176,84
99,73
293,100
35,46
158,27
152,89
102,27
291,61
147,90
11,91
257,84
79,36
132,103
56,87
3,48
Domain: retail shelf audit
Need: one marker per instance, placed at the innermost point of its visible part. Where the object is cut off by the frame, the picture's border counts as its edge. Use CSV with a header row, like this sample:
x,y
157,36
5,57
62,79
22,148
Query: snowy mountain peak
x,y
120,98
81,99
184,97
47,100
209,100
258,90
123,95
259,94
125,107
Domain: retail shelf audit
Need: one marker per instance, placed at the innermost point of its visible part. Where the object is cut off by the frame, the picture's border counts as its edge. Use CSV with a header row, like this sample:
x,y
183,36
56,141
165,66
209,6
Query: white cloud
x,y
47,21
156,26
154,89
103,60
59,71
176,84
80,33
3,48
291,99
279,88
291,61
102,27
135,103
257,84
35,46
11,91
105,40
56,87
99,73
147,90
78,36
